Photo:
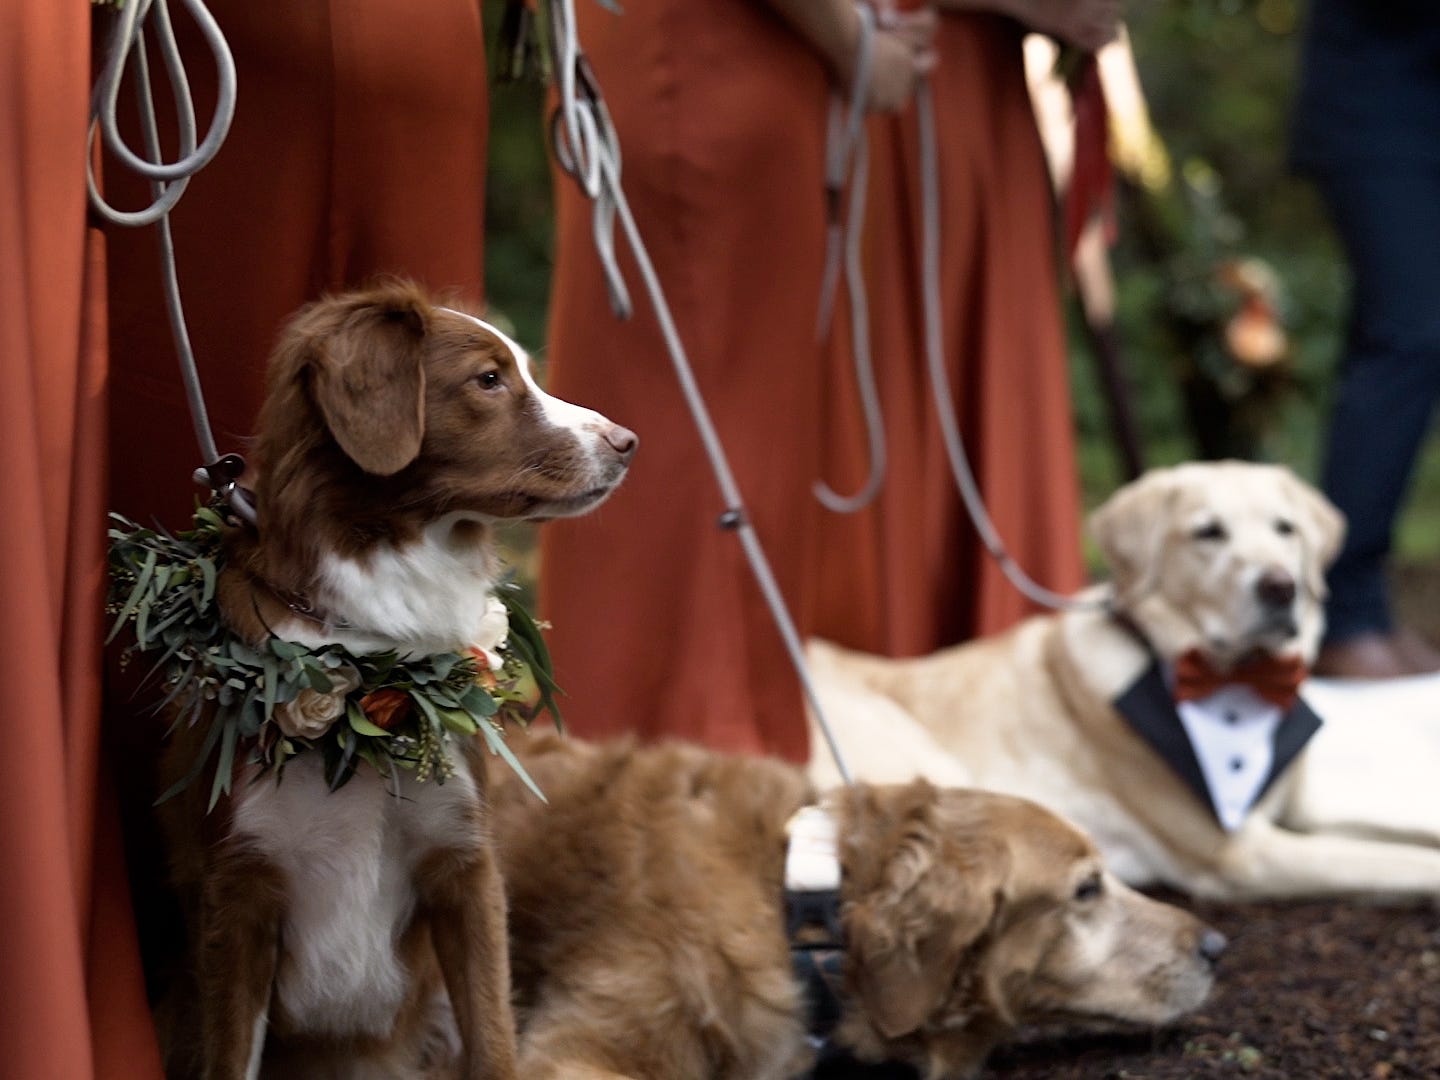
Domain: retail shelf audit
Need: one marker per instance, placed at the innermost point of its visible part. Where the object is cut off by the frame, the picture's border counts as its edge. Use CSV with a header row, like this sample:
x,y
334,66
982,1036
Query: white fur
x,y
348,857
426,597
257,1044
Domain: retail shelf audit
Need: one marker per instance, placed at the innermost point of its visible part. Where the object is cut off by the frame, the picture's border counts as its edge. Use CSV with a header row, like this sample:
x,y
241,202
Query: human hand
x,y
902,52
1086,24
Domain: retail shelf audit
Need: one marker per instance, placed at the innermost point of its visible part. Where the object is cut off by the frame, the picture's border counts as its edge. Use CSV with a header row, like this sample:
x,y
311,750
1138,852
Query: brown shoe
x,y
1365,656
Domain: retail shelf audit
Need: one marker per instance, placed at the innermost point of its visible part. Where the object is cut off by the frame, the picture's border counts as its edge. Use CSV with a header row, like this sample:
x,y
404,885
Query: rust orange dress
x,y
70,974
908,575
657,625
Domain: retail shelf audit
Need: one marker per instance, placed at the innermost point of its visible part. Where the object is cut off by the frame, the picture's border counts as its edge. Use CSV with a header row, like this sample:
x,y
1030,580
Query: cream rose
x,y
494,628
310,714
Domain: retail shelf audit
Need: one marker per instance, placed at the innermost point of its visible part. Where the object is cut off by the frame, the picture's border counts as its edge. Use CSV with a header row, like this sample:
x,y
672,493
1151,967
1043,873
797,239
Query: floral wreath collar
x,y
279,699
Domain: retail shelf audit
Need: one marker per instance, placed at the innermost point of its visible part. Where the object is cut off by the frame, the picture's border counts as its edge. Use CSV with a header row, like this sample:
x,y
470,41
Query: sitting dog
x,y
648,920
1166,722
393,435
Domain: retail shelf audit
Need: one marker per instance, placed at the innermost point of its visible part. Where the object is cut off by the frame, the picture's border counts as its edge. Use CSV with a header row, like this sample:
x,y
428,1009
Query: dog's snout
x,y
622,440
1276,588
1211,946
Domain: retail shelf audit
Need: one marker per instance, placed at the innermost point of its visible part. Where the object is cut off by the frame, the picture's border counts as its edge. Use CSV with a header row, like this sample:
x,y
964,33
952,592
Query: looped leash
x,y
847,156
586,146
168,181
943,395
587,149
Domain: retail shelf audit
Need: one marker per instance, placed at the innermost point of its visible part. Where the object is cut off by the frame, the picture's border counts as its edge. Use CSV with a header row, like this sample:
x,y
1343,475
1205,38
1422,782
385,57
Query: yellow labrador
x,y
1216,565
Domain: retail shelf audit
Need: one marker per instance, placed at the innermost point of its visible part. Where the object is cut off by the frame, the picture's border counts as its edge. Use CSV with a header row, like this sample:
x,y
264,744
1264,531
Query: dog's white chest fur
x,y
349,858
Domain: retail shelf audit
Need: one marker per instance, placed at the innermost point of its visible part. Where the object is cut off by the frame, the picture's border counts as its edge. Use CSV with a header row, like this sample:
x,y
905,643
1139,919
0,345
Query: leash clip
x,y
222,476
732,519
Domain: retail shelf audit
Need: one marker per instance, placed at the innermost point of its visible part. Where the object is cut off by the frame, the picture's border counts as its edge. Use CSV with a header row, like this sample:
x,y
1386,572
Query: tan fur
x,y
1028,712
647,935
392,430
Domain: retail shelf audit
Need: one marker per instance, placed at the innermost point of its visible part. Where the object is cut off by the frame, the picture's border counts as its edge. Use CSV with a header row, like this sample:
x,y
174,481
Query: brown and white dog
x,y
649,938
1218,584
328,927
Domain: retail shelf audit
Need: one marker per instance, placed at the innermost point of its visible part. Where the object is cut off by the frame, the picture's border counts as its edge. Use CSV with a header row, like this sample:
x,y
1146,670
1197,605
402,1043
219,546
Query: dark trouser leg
x,y
1388,217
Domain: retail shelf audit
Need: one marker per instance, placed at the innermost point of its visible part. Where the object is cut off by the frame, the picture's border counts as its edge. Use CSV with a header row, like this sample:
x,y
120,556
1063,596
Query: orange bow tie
x,y
1276,679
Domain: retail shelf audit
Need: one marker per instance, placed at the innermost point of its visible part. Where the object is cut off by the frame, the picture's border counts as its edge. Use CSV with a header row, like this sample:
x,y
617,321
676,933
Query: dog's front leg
x,y
240,914
1266,862
465,902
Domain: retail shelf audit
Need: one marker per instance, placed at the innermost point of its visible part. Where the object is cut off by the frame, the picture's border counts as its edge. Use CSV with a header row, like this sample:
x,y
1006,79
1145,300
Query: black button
x,y
1231,716
1236,764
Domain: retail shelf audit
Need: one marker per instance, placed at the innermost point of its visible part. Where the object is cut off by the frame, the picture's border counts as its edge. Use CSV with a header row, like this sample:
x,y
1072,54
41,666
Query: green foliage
x,y
278,699
519,213
1220,76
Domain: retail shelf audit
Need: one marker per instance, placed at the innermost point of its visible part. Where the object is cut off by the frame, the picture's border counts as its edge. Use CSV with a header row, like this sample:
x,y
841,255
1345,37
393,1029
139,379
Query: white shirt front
x,y
1233,735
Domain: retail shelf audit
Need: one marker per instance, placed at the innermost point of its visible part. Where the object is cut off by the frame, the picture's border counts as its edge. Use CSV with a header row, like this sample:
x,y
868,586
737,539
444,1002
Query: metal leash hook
x,y
587,149
222,477
167,184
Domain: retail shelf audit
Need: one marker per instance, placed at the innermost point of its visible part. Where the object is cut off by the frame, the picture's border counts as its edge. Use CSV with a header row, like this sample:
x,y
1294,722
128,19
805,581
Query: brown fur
x,y
381,418
647,936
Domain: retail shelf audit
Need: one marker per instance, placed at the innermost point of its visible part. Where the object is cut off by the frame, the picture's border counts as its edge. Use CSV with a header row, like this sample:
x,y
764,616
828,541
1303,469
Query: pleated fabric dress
x,y
358,150
70,972
907,575
657,625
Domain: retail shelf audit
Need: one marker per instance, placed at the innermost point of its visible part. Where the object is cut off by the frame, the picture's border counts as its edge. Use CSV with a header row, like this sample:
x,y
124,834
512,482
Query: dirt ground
x,y
1308,991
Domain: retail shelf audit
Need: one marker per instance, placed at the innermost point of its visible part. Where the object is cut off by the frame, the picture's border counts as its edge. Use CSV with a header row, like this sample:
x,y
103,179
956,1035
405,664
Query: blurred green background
x,y
1219,76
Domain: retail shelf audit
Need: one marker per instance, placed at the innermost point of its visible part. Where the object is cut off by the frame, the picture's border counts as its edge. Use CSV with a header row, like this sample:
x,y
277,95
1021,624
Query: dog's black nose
x,y
1211,945
1275,588
622,440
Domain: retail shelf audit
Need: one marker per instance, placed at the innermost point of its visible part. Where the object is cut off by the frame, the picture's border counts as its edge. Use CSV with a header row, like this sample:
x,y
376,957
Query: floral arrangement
x,y
280,699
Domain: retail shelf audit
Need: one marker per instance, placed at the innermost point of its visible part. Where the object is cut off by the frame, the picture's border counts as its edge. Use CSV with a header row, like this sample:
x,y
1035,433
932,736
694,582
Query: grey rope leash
x,y
587,149
167,184
847,152
943,395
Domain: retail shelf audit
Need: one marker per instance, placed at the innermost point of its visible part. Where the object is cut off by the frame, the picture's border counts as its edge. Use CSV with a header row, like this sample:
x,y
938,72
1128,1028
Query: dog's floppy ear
x,y
1321,527
908,931
1130,527
369,383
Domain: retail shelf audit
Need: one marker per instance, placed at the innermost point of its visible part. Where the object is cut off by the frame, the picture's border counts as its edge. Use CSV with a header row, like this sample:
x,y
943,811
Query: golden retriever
x,y
1222,561
648,935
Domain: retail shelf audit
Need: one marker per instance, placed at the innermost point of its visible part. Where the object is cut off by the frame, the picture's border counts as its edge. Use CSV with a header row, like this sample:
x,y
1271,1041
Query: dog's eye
x,y
488,380
1090,888
1284,527
1211,530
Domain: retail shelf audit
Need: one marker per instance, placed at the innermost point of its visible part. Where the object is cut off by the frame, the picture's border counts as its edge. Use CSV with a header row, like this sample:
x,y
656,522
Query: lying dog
x,y
1216,600
648,921
394,433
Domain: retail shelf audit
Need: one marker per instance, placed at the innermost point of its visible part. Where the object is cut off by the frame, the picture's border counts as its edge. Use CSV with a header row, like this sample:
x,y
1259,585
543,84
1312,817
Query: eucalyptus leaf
x,y
497,744
360,725
207,570
459,721
226,766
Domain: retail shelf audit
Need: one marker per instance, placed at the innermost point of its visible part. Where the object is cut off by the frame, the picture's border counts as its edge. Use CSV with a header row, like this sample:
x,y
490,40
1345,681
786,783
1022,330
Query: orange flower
x,y
385,708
